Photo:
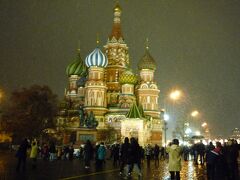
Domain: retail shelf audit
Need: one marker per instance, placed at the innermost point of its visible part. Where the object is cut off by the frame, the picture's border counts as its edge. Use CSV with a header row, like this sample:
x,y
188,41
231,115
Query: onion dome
x,y
147,61
77,67
96,58
128,77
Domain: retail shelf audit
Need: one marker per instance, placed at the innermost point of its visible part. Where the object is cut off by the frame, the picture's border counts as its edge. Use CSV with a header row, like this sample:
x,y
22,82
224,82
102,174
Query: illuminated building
x,y
104,85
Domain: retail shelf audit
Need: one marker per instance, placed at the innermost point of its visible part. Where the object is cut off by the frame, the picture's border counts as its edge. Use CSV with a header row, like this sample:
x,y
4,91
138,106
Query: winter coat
x,y
22,150
200,148
52,148
134,153
88,151
124,151
34,151
115,151
101,152
156,150
174,152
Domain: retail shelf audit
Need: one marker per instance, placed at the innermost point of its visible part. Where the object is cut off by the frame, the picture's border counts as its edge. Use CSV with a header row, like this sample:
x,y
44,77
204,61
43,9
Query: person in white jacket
x,y
174,165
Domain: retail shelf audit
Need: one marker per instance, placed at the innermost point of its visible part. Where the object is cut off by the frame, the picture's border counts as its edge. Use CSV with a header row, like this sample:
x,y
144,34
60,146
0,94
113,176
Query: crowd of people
x,y
221,161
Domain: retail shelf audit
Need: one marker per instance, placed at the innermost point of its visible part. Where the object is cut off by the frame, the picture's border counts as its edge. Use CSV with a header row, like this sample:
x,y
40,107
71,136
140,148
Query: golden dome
x,y
117,8
128,77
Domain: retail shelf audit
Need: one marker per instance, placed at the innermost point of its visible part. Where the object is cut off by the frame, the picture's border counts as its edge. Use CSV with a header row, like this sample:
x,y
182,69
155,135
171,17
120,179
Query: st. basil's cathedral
x,y
105,97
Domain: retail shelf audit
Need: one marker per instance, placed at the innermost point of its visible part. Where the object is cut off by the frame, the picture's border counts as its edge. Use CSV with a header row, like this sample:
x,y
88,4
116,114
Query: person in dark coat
x,y
134,157
71,151
236,147
96,156
231,156
201,151
220,163
45,151
209,162
156,151
115,153
66,152
162,153
217,161
52,151
195,153
88,153
22,155
124,154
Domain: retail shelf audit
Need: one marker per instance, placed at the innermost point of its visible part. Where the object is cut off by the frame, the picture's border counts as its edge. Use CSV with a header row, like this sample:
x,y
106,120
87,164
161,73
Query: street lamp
x,y
165,119
195,113
175,95
204,124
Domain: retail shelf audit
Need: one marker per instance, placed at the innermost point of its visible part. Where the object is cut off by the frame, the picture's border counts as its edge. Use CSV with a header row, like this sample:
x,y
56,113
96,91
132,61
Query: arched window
x,y
144,86
153,86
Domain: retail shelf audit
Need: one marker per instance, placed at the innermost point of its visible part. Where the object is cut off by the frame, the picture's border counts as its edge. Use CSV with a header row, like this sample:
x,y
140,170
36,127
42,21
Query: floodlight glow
x,y
198,133
204,124
194,113
175,95
166,117
188,131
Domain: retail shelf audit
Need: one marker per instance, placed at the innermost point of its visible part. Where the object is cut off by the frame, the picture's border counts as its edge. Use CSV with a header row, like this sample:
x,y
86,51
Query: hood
x,y
174,146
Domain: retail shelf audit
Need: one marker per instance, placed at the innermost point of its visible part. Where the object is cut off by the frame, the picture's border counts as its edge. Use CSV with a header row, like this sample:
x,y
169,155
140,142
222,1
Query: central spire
x,y
116,30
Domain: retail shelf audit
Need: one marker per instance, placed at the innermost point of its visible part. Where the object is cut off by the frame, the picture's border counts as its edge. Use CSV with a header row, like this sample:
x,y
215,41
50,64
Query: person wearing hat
x,y
174,165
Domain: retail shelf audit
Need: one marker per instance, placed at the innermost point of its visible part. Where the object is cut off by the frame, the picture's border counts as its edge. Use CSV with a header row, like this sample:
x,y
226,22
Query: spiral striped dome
x,y
77,67
128,77
96,58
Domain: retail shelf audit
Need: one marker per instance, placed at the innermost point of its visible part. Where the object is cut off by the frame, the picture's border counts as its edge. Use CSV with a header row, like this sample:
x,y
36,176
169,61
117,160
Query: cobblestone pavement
x,y
72,170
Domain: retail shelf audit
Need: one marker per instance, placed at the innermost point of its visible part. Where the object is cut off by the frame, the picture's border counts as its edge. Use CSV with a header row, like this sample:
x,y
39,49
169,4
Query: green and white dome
x,y
78,67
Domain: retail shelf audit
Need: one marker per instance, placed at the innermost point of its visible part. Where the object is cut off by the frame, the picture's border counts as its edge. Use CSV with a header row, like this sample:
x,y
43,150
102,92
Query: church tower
x,y
95,87
148,92
127,97
148,95
118,59
76,72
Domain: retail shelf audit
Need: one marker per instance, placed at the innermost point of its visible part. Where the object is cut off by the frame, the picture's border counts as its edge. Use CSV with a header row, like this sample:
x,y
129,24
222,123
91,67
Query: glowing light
x,y
188,131
197,133
204,142
195,113
175,95
204,124
166,117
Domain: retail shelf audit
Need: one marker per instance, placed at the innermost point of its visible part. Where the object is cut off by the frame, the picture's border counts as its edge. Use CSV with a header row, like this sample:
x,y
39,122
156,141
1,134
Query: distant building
x,y
105,86
235,133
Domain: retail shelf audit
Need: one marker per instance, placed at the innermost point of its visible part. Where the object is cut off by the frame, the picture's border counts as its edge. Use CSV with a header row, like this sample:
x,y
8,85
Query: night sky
x,y
196,44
